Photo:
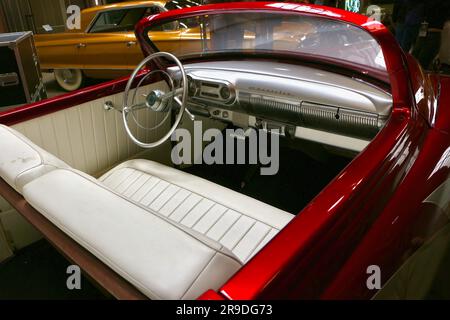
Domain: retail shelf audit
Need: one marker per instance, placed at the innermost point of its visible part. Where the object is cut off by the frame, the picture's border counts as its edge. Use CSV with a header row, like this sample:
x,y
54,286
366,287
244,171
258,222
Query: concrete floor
x,y
53,89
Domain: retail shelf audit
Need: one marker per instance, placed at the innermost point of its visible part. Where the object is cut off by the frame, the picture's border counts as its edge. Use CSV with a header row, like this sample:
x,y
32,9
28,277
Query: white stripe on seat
x,y
242,235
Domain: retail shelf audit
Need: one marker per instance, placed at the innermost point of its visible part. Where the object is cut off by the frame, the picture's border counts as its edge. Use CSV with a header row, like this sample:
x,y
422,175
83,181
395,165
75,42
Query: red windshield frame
x,y
395,58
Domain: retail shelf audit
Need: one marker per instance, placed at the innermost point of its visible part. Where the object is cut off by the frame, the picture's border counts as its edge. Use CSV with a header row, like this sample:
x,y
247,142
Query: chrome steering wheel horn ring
x,y
159,101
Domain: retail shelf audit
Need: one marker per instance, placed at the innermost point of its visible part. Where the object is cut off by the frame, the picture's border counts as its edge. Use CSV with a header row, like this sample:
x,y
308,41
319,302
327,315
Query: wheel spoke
x,y
138,106
158,101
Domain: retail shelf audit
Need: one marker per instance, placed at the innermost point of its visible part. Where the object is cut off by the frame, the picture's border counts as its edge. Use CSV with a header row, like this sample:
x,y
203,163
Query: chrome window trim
x,y
91,24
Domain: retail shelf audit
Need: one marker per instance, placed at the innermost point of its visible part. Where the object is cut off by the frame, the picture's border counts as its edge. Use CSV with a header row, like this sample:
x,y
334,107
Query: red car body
x,y
373,213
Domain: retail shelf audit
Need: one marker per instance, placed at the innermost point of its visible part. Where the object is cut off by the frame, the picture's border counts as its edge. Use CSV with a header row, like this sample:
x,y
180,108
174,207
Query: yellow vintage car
x,y
105,46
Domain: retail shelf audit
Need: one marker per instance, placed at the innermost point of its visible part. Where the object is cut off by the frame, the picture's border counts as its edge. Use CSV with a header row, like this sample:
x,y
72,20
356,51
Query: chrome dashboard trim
x,y
311,100
293,82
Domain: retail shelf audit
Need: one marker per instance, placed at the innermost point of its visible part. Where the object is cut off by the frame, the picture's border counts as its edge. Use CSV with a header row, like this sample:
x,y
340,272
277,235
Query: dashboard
x,y
299,101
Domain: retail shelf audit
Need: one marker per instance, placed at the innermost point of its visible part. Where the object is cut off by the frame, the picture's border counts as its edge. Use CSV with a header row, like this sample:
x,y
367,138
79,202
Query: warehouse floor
x,y
40,272
53,89
51,85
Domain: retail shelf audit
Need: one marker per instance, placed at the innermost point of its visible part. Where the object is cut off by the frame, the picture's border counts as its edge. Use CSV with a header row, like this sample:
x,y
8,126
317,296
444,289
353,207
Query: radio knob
x,y
192,87
225,93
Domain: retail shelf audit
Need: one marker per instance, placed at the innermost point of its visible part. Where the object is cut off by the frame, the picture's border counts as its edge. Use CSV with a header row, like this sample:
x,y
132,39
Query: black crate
x,y
20,74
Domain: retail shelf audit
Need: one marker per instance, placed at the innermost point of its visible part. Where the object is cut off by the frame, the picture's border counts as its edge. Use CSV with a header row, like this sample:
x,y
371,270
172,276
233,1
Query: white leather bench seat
x,y
170,234
160,259
241,224
21,160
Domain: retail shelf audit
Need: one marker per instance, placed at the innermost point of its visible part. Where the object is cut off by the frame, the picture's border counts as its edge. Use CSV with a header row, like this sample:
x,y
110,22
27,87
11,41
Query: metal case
x,y
20,73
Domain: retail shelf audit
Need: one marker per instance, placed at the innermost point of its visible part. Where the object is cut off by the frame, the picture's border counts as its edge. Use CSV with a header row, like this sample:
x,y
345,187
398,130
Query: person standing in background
x,y
436,13
407,15
444,54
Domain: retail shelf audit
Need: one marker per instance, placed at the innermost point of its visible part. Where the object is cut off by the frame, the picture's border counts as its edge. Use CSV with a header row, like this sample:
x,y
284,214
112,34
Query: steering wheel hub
x,y
157,100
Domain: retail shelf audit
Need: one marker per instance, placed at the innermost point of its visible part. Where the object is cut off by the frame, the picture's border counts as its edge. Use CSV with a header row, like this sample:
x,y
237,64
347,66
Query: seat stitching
x,y
168,199
231,226
125,179
24,172
218,202
219,218
112,175
199,274
215,222
181,202
146,180
150,190
157,214
258,244
181,219
140,188
204,214
129,186
243,236
106,178
160,192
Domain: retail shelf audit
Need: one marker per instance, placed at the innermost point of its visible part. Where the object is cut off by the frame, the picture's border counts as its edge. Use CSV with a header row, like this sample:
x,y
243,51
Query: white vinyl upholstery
x,y
90,139
21,160
171,234
159,258
241,224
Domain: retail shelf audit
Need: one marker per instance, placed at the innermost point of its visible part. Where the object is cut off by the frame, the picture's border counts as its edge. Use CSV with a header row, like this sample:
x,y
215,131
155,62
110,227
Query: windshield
x,y
251,32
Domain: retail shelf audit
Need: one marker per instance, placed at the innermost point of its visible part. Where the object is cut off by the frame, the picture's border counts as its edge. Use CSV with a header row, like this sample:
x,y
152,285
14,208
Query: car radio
x,y
218,91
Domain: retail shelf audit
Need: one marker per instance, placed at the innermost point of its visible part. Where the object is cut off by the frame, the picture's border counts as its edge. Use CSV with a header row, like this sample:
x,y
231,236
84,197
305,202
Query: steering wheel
x,y
156,100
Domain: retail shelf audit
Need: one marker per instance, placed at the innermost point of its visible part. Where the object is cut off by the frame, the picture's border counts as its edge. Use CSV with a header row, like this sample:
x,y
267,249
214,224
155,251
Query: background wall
x,y
3,26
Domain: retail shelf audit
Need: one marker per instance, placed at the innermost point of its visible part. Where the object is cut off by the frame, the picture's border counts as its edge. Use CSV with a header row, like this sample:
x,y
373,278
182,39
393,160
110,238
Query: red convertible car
x,y
362,190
